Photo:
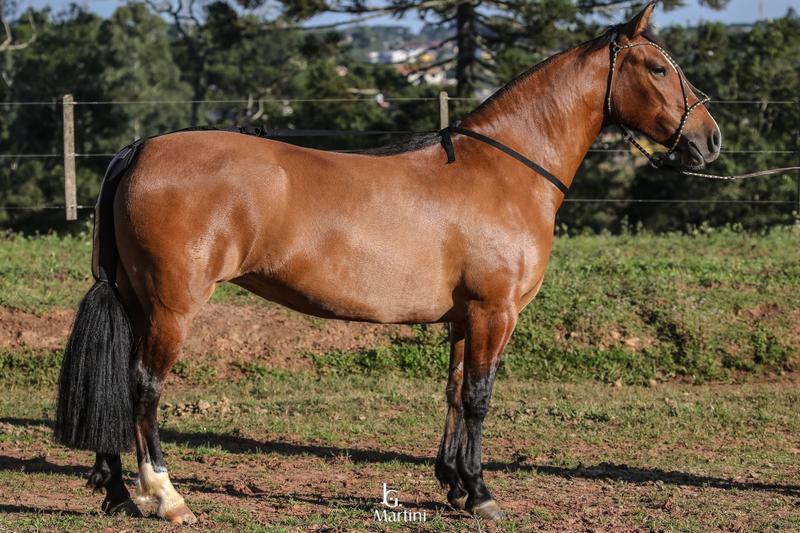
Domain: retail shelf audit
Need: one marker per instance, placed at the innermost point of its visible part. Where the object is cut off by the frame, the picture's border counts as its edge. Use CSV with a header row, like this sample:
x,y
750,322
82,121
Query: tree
x,y
139,66
481,30
220,45
9,43
84,55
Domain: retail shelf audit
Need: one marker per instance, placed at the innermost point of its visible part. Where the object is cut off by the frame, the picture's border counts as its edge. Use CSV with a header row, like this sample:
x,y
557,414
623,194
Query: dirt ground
x,y
279,460
221,333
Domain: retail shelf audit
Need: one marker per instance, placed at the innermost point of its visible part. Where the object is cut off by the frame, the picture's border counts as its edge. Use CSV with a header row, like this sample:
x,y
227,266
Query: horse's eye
x,y
658,71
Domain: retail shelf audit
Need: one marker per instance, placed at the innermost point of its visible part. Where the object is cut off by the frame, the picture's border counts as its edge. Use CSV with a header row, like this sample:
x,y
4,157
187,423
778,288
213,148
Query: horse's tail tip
x,y
94,410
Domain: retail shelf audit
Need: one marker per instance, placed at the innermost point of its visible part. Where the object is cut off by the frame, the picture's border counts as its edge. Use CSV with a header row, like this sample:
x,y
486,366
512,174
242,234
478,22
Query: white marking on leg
x,y
152,484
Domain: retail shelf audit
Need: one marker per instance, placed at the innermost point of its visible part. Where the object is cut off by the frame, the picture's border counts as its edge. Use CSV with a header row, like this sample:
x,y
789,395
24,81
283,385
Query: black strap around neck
x,y
447,144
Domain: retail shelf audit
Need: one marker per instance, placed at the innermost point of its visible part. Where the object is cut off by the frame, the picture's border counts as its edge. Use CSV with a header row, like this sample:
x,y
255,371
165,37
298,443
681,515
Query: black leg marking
x,y
146,396
489,328
477,393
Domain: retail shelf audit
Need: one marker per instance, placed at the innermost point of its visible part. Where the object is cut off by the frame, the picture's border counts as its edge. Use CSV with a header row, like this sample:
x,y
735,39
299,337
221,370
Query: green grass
x,y
30,367
716,304
675,458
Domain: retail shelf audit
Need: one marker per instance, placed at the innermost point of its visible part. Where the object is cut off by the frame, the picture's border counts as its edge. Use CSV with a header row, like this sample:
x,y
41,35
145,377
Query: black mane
x,y
413,142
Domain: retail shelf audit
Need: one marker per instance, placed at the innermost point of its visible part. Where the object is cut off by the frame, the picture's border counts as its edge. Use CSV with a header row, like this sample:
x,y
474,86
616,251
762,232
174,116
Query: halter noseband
x,y
656,162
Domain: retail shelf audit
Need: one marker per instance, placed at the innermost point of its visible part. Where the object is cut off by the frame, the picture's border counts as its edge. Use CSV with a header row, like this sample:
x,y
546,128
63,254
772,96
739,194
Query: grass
x,y
293,451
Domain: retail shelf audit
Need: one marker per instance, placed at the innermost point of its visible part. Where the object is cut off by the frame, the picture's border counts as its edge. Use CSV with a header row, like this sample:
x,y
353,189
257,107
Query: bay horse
x,y
394,237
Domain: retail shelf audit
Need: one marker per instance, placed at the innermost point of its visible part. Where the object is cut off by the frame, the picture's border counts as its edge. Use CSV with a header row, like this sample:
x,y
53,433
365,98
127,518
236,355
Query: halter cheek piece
x,y
656,162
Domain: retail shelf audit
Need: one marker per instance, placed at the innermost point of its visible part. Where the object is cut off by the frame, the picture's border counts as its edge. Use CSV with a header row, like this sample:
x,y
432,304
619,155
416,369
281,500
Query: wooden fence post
x,y
70,200
444,110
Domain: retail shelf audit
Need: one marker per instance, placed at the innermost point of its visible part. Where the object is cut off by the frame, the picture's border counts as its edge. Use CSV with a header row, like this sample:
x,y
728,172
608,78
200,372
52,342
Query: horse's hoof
x,y
488,510
458,503
180,514
126,508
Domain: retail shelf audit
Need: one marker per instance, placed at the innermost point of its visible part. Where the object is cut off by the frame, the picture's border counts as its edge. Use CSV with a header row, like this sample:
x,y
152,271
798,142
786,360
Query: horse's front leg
x,y
446,468
489,326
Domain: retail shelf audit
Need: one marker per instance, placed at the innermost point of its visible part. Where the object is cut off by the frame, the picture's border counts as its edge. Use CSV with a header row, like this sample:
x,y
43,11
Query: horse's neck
x,y
552,115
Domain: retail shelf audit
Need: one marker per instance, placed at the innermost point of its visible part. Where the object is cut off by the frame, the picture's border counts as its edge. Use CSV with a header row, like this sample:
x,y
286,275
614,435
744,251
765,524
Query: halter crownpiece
x,y
659,162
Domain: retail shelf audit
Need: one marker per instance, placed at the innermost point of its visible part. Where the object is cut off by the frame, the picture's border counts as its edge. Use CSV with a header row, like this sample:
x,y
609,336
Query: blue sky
x,y
737,11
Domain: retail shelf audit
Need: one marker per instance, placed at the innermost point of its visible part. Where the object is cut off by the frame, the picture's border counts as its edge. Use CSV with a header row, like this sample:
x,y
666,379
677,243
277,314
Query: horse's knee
x,y
476,398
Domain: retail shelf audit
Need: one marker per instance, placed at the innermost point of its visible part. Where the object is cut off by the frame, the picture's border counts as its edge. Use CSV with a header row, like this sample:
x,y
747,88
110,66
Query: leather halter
x,y
668,159
616,48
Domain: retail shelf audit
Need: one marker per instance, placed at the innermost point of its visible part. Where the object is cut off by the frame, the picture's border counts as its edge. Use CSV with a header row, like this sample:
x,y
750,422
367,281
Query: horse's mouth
x,y
691,157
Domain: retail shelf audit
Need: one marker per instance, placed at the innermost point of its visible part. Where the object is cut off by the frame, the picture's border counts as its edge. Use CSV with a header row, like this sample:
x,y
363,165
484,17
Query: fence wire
x,y
379,99
277,99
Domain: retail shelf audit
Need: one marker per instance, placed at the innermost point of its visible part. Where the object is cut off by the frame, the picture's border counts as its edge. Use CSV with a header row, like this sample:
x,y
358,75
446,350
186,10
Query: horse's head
x,y
649,93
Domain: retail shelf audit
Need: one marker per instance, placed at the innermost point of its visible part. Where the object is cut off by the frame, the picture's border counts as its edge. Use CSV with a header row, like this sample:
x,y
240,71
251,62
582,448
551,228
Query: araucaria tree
x,y
485,34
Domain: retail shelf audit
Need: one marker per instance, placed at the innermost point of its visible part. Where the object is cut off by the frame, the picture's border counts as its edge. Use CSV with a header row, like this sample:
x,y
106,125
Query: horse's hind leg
x,y
161,310
446,469
159,349
107,474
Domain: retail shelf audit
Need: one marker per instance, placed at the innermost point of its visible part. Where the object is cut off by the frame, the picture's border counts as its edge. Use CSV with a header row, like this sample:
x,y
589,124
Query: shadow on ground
x,y
4,508
239,445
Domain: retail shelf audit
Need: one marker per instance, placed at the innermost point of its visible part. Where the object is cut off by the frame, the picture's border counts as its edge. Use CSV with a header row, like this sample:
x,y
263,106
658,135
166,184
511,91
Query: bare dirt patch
x,y
221,333
20,330
276,336
762,311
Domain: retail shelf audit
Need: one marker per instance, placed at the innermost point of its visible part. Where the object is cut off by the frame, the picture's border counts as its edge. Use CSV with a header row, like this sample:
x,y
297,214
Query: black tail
x,y
94,394
94,397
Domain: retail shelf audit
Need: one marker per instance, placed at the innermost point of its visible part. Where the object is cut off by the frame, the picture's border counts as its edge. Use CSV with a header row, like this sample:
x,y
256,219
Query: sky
x,y
738,11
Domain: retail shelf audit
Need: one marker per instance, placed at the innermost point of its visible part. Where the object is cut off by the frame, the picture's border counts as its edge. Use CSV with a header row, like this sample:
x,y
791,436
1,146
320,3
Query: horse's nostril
x,y
715,141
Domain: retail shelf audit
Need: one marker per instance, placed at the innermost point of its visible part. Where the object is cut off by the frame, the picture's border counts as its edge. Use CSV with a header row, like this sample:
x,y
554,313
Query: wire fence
x,y
278,99
379,99
275,99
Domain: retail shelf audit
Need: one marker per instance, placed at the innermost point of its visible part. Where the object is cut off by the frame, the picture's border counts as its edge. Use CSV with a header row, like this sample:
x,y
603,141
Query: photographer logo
x,y
393,510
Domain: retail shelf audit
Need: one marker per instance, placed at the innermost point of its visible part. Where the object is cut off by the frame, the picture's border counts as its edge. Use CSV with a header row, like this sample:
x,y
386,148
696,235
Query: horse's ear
x,y
634,27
